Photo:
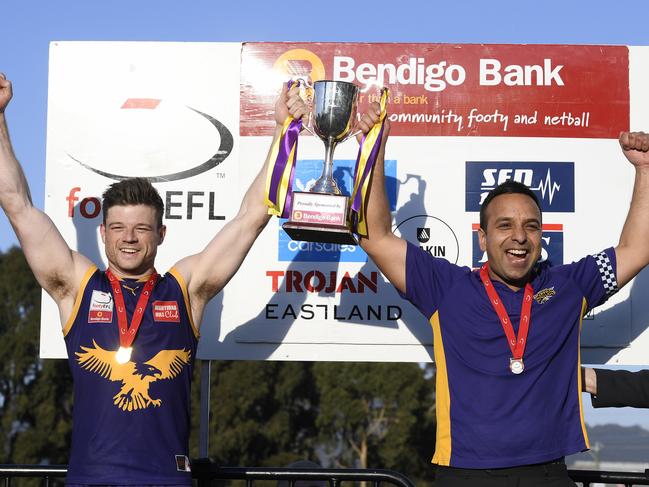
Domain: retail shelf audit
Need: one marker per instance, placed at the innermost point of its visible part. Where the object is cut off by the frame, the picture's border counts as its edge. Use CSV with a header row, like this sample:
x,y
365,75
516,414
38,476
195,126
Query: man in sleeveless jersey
x,y
130,333
506,337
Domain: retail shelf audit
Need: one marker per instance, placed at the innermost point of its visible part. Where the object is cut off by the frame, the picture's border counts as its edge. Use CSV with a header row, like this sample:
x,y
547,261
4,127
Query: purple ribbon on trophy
x,y
279,178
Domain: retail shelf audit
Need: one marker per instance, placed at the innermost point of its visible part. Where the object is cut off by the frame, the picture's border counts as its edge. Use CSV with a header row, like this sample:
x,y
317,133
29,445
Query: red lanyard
x,y
127,333
516,344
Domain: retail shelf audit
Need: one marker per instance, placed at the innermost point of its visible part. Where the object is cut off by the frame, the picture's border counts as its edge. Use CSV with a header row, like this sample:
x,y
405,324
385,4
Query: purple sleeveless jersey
x,y
131,421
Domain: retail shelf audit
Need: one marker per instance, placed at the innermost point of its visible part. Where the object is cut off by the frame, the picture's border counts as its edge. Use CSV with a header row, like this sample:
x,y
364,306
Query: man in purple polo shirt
x,y
506,337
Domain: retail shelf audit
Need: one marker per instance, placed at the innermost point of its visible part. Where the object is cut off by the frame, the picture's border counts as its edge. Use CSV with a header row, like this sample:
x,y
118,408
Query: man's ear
x,y
102,232
162,232
482,238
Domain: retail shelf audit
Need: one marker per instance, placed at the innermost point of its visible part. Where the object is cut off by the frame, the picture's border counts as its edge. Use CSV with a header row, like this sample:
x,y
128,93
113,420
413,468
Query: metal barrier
x,y
628,479
45,472
204,472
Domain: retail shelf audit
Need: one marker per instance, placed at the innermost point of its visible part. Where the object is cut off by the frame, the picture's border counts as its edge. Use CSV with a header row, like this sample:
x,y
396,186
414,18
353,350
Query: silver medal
x,y
123,355
516,365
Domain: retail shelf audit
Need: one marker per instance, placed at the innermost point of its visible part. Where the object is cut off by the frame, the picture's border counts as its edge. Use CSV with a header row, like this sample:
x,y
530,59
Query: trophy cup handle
x,y
349,136
303,84
307,125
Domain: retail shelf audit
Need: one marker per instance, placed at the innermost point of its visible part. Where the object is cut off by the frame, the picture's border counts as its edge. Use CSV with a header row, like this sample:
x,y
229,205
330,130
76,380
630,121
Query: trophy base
x,y
319,217
311,232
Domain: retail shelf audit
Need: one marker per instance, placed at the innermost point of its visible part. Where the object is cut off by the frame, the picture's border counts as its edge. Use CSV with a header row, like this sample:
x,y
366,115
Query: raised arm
x,y
207,272
58,269
386,249
632,252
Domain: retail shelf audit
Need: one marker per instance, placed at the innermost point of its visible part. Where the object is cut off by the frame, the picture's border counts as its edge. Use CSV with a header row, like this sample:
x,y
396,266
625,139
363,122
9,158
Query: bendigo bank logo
x,y
552,182
300,63
306,172
551,245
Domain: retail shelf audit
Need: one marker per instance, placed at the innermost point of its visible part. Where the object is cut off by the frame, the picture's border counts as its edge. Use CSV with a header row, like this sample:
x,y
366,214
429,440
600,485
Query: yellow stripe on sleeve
x,y
77,302
584,307
181,282
442,454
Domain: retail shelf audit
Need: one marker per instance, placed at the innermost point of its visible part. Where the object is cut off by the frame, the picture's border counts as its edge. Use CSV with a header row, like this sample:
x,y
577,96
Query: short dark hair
x,y
132,191
508,187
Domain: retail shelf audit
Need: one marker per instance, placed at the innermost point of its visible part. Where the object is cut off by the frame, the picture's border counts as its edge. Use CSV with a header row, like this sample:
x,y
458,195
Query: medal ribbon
x,y
279,177
127,333
367,154
516,344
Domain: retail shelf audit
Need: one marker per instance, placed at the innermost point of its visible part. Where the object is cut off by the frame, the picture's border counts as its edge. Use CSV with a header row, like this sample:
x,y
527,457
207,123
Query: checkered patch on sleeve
x,y
607,273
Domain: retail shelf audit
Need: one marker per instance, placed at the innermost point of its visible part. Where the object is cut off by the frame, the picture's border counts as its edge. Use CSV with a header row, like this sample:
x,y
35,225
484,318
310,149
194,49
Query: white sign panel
x,y
464,118
166,111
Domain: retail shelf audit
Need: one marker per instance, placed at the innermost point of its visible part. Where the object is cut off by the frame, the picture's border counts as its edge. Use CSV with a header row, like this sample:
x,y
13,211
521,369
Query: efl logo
x,y
306,173
553,182
551,245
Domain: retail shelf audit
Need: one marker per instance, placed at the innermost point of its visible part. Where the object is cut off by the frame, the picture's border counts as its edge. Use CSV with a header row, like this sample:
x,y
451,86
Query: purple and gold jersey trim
x,y
77,302
584,309
442,397
181,282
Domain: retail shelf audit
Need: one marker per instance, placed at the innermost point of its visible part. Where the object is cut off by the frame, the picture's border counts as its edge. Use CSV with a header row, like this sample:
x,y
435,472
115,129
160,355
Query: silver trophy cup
x,y
334,110
321,215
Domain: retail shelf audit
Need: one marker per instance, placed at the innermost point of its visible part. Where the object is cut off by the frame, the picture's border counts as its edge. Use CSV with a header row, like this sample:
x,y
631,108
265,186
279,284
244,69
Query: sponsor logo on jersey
x,y
544,295
166,311
101,307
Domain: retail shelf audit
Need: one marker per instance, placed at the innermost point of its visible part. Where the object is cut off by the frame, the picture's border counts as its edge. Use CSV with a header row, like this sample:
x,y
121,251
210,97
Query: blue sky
x,y
28,26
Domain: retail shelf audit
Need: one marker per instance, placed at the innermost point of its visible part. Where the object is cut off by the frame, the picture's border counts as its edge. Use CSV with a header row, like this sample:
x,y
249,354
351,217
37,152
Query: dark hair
x,y
508,187
132,191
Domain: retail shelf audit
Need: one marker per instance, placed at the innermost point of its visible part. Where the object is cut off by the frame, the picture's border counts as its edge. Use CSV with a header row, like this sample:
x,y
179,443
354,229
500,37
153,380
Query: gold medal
x,y
516,365
123,355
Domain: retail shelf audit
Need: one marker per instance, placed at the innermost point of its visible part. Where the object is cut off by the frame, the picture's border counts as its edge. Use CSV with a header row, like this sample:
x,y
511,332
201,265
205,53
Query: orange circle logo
x,y
300,63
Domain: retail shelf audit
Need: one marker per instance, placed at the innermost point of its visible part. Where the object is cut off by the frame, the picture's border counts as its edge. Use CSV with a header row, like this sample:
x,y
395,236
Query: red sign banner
x,y
455,90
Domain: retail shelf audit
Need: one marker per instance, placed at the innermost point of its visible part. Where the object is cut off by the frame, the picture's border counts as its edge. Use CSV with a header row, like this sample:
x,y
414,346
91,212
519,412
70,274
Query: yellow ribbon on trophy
x,y
367,154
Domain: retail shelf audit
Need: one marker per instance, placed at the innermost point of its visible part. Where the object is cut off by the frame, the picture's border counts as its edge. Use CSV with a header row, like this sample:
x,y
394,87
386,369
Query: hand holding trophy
x,y
323,214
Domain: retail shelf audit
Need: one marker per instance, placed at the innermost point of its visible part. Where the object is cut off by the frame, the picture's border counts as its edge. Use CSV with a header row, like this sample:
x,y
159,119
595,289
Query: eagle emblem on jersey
x,y
134,376
544,295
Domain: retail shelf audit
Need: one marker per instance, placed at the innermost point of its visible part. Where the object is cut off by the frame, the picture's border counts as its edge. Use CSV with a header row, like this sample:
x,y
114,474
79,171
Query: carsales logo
x,y
552,182
551,245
